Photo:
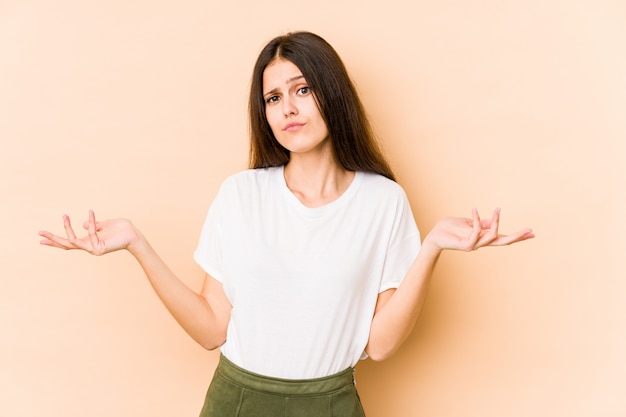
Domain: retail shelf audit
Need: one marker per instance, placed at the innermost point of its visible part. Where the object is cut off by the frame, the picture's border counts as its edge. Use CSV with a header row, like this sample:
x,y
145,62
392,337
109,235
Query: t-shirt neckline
x,y
321,210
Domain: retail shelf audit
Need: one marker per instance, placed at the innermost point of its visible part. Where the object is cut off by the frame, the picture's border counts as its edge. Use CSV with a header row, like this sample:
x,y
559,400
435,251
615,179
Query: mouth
x,y
292,126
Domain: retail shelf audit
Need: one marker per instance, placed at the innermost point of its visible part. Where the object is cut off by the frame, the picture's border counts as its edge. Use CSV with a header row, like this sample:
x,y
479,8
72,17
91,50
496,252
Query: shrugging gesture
x,y
310,135
397,309
204,316
102,237
471,234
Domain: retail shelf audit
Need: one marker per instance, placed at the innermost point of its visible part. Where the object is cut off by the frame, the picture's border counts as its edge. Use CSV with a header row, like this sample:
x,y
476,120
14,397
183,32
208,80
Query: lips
x,y
292,126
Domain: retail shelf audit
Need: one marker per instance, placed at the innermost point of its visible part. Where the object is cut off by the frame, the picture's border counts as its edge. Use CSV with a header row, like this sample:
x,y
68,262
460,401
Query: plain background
x,y
138,109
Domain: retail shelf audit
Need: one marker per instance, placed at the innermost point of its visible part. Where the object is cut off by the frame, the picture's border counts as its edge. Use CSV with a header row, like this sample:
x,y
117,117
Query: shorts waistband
x,y
262,383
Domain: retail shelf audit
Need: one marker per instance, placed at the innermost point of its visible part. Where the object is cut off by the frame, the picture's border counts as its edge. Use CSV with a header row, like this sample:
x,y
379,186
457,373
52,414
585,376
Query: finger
x,y
476,229
51,243
495,223
74,243
93,236
67,225
492,232
55,241
520,236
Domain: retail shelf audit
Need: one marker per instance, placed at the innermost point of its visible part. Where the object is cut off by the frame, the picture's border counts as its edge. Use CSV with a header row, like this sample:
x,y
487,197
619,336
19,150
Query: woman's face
x,y
291,110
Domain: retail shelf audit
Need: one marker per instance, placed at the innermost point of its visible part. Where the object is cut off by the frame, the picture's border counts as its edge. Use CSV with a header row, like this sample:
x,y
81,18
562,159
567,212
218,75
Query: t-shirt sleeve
x,y
404,245
208,253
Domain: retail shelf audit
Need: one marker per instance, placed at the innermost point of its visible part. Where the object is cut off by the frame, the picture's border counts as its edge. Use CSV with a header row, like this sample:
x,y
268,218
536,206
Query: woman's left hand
x,y
470,234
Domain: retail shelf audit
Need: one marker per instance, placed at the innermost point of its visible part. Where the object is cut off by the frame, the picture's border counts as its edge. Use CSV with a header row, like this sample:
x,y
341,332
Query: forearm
x,y
393,322
190,309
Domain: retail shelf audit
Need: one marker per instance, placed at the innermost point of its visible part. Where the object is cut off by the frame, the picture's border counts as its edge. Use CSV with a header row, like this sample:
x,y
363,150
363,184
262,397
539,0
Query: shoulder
x,y
379,193
249,186
380,186
251,178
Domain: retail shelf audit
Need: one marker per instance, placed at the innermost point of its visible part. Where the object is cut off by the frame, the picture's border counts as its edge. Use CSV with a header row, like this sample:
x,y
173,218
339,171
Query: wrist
x,y
137,243
429,246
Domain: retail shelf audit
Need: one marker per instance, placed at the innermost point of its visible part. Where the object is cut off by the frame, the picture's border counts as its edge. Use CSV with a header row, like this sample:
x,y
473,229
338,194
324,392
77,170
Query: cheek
x,y
273,119
270,117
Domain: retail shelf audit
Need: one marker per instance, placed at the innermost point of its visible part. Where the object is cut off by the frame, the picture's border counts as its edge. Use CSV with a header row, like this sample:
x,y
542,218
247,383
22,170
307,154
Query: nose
x,y
289,107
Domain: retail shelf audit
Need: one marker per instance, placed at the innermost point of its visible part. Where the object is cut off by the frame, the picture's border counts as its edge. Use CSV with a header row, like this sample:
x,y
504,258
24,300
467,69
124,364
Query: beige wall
x,y
137,109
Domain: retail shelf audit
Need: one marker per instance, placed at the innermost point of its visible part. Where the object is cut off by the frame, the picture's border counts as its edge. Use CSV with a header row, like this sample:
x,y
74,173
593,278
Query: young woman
x,y
313,260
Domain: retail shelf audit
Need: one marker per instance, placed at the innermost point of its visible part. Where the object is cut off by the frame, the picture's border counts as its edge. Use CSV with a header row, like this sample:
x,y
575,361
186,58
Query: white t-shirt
x,y
303,282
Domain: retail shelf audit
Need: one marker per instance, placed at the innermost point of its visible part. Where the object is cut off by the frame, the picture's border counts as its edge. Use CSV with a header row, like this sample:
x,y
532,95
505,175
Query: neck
x,y
316,182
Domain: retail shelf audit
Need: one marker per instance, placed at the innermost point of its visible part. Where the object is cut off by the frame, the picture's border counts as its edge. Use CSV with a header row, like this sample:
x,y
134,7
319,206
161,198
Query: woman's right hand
x,y
102,237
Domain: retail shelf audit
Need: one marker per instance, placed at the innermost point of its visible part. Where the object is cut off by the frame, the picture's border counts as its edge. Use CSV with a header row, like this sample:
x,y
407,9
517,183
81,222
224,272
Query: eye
x,y
303,91
272,99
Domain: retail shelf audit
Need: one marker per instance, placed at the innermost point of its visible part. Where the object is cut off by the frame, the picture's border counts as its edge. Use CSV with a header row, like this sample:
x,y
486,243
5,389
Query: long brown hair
x,y
350,132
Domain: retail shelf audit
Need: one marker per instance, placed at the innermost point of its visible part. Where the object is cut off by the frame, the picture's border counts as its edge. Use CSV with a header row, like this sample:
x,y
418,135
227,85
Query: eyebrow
x,y
287,81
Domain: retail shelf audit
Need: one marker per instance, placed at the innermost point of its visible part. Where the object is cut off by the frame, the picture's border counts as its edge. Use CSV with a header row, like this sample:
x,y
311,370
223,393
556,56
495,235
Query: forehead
x,y
279,72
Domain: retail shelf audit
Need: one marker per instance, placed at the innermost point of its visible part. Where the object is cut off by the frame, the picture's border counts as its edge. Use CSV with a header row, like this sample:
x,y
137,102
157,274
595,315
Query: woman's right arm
x,y
203,316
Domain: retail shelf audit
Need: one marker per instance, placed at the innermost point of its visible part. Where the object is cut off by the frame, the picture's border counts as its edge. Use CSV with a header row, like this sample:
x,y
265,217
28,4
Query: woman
x,y
313,260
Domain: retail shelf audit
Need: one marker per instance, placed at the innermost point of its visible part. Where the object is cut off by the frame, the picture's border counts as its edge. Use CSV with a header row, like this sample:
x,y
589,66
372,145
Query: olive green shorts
x,y
235,392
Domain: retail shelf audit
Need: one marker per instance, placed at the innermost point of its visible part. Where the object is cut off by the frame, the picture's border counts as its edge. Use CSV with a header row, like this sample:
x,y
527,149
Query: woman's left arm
x,y
397,310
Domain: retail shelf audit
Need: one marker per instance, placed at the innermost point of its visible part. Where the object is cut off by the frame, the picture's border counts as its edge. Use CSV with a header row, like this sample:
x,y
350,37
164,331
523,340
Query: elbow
x,y
211,343
383,345
376,357
380,352
210,346
211,336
